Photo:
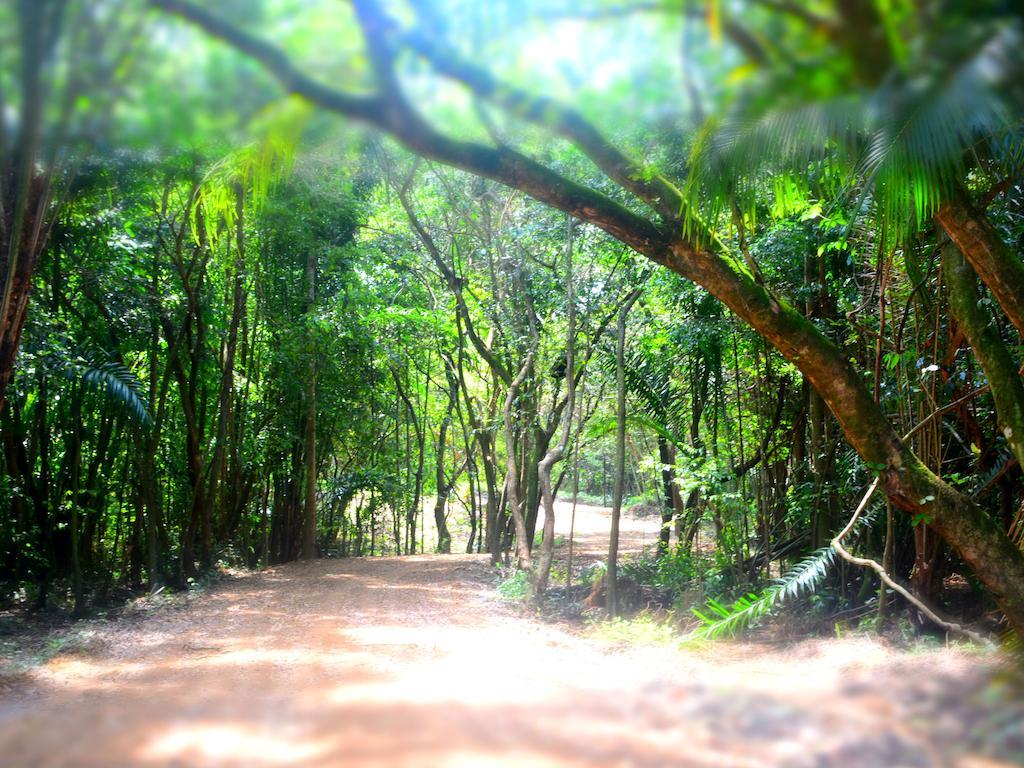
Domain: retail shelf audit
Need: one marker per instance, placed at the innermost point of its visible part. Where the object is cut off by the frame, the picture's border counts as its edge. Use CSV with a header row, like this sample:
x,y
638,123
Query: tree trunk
x,y
492,528
612,575
575,499
444,486
309,516
979,242
1000,370
537,451
666,455
554,455
76,472
24,191
512,490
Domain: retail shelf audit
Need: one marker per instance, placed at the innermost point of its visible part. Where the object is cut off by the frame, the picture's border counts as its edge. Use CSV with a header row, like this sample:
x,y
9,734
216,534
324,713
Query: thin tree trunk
x,y
666,455
444,486
523,561
554,455
309,516
575,498
76,469
612,574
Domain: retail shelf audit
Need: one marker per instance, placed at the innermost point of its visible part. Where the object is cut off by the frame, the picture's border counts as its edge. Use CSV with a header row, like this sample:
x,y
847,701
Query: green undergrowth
x,y
515,586
658,628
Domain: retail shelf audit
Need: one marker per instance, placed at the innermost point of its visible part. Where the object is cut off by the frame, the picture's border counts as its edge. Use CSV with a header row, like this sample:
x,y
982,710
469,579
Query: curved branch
x,y
387,110
455,284
293,80
636,177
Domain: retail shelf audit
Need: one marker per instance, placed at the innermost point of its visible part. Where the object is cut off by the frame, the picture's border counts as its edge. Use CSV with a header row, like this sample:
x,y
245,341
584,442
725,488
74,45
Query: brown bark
x,y
17,266
24,191
998,267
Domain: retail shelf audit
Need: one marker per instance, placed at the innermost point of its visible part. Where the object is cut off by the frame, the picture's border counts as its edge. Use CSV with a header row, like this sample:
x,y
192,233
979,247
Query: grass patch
x,y
515,587
646,628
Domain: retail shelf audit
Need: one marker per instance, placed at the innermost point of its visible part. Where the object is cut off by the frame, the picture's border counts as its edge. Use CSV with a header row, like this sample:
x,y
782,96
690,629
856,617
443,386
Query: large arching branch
x,y
388,111
637,178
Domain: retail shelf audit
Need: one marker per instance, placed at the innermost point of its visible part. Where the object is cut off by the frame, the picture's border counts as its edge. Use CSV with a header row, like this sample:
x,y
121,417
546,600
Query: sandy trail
x,y
415,662
590,531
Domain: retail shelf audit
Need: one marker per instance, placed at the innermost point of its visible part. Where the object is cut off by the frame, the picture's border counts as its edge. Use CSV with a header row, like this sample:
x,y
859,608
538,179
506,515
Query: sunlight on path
x,y
414,662
221,743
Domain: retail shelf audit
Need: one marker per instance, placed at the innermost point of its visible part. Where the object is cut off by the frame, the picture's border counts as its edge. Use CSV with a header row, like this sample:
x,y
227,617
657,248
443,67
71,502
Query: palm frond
x,y
925,132
659,429
985,479
255,168
662,406
115,381
727,621
719,620
902,147
732,159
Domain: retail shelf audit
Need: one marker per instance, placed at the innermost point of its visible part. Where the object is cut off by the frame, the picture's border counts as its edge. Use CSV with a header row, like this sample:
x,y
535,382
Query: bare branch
x,y
864,562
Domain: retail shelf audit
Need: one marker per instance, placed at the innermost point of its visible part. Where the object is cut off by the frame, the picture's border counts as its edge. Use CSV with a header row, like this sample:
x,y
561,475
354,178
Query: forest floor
x,y
417,661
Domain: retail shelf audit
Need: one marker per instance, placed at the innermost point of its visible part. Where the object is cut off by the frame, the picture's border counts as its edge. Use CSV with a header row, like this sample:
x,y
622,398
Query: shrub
x,y
515,587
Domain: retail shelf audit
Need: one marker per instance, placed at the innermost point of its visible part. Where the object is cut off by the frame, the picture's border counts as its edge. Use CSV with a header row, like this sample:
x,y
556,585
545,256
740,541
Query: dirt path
x,y
590,530
415,662
591,526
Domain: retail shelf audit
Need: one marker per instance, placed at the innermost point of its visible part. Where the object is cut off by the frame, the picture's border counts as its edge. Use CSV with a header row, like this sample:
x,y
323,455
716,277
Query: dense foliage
x,y
247,331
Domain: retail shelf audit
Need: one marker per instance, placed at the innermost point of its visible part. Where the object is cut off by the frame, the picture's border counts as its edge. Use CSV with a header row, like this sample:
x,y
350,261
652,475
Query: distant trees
x,y
140,424
516,317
